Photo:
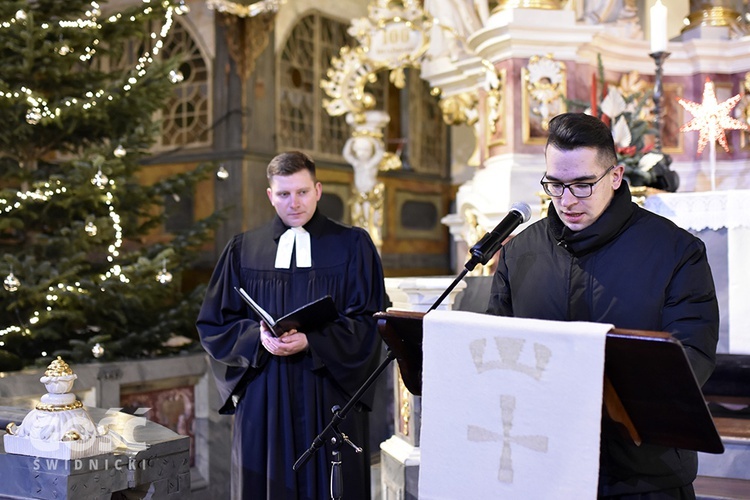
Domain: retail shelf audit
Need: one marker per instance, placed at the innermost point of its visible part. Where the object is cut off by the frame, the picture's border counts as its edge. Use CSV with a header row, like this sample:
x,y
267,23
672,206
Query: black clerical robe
x,y
282,403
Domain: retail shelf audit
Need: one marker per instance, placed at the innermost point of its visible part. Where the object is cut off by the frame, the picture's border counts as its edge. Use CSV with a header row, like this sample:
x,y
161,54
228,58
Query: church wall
x,y
410,247
243,140
290,12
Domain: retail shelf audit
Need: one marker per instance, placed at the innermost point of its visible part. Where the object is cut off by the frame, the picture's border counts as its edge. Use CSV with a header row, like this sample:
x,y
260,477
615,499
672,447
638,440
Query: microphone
x,y
491,242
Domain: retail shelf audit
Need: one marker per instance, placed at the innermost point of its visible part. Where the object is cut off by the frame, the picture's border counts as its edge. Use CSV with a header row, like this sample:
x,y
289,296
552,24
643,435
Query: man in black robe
x,y
281,389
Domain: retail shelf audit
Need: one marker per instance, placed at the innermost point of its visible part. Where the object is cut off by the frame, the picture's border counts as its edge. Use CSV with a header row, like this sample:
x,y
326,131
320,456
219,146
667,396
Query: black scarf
x,y
606,228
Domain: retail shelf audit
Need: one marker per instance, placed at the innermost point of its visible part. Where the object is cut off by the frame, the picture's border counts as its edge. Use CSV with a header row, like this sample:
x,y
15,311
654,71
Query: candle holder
x,y
659,58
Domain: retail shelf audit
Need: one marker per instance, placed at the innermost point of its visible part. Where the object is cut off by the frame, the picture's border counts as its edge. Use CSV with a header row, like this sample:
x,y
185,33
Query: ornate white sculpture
x,y
59,426
454,21
365,152
621,14
365,149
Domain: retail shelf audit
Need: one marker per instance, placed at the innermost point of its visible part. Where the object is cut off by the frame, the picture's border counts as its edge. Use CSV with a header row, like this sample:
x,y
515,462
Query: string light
x,y
40,110
711,118
44,192
10,329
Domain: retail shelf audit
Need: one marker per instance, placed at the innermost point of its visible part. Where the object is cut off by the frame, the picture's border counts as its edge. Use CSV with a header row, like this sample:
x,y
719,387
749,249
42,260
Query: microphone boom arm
x,y
490,243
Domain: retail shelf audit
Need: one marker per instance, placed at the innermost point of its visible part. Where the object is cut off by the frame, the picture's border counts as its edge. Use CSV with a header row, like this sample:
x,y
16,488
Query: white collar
x,y
298,239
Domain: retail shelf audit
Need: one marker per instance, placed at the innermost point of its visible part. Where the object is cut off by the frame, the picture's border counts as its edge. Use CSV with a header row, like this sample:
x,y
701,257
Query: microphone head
x,y
524,209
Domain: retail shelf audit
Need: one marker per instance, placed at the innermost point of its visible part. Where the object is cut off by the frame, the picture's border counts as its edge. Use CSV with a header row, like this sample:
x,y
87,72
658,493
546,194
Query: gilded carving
x,y
247,29
473,232
460,109
495,106
404,407
347,77
392,37
367,211
544,91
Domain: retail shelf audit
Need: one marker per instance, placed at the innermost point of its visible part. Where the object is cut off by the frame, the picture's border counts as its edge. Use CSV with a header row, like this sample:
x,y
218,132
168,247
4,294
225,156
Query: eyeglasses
x,y
578,189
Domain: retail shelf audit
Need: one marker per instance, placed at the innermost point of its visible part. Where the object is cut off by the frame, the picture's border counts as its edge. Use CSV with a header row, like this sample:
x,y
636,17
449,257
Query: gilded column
x,y
719,13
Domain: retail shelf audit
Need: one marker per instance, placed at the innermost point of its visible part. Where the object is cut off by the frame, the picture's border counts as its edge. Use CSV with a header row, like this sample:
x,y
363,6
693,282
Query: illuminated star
x,y
711,118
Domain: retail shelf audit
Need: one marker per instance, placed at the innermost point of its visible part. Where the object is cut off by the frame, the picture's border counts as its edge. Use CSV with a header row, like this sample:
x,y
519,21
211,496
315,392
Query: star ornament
x,y
711,117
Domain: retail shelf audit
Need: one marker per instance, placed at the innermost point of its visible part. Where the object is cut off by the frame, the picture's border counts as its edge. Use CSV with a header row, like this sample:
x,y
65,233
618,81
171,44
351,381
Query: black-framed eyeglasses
x,y
578,189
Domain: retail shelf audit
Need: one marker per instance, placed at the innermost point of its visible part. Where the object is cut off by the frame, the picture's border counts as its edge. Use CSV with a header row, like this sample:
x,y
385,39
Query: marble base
x,y
160,470
399,469
64,450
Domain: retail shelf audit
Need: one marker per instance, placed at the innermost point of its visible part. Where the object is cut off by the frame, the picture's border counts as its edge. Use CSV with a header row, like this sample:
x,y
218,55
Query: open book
x,y
308,317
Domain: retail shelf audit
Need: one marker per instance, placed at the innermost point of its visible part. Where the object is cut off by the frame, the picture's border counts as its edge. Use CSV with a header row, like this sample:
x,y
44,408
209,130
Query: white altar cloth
x,y
719,212
703,210
511,407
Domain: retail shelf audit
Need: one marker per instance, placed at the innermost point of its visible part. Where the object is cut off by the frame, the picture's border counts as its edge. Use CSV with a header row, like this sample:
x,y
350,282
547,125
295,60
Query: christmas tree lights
x,y
79,263
40,109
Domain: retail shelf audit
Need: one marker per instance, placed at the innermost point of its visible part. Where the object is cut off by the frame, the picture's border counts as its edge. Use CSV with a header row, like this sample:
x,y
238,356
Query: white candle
x,y
658,27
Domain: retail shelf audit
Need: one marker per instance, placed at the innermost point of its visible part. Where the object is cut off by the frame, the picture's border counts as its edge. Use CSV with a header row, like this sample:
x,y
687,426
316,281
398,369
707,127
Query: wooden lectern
x,y
649,386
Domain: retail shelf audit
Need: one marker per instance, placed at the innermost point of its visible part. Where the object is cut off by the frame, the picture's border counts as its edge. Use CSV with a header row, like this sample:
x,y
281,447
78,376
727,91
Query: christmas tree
x,y
78,123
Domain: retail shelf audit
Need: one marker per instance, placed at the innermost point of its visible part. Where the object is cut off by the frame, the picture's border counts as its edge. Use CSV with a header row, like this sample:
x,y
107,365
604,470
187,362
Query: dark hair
x,y
290,163
578,130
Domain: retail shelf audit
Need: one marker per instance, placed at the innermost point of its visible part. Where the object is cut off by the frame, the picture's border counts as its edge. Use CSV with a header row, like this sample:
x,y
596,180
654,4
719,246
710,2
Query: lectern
x,y
649,386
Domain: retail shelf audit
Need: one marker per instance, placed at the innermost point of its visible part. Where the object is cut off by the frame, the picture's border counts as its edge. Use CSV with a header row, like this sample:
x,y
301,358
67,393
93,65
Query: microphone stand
x,y
336,437
480,253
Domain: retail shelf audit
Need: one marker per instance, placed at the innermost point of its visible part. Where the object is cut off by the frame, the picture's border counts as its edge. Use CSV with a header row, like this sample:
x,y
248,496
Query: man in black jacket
x,y
599,257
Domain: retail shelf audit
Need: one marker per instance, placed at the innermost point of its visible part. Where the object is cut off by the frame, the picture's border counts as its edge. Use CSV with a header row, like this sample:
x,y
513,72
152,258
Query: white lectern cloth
x,y
511,407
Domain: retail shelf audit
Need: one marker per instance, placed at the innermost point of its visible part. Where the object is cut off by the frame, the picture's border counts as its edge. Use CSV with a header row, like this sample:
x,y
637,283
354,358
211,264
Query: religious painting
x,y
172,407
672,140
544,90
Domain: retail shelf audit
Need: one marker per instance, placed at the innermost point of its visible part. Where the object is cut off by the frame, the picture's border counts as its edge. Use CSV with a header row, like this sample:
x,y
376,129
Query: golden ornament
x,y
58,368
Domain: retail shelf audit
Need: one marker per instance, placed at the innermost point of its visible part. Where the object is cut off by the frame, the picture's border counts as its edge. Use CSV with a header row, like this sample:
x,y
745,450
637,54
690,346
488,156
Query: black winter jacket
x,y
635,270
